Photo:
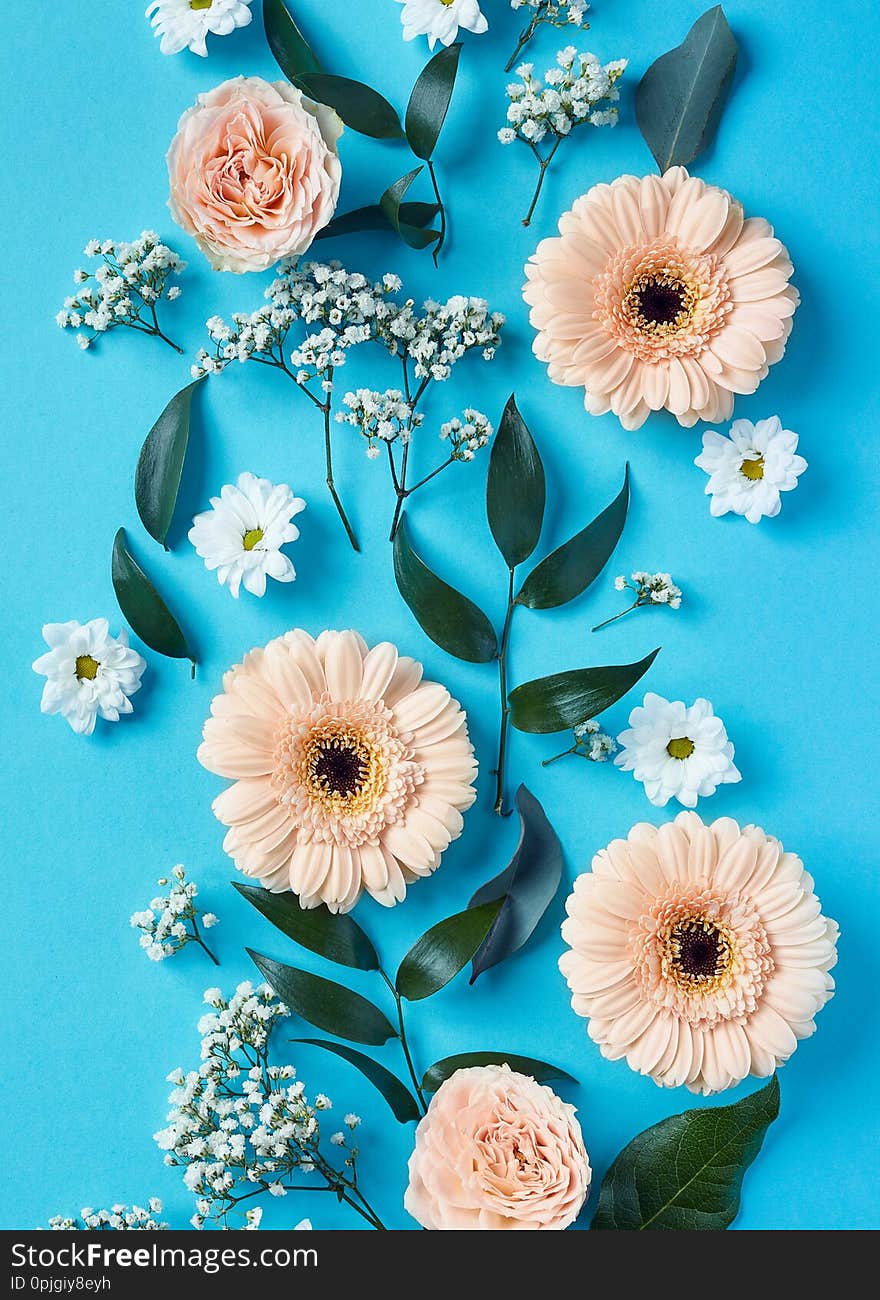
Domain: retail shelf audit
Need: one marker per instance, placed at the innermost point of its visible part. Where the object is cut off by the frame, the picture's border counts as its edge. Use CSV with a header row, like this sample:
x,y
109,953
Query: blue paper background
x,y
776,628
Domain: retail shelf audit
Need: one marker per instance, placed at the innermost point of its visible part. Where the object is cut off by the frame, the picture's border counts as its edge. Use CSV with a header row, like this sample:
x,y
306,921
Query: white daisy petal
x,y
749,469
676,752
241,535
88,673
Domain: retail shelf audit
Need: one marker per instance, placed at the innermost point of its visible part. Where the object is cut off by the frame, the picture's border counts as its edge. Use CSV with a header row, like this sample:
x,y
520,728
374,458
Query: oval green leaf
x,y
372,217
359,106
338,937
443,951
541,1071
453,622
160,465
680,98
404,1106
324,1003
143,608
526,887
685,1174
564,699
515,488
569,570
292,52
391,206
429,101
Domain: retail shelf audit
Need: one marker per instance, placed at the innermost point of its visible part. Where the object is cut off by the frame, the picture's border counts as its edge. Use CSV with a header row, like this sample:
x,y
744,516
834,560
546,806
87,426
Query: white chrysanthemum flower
x,y
440,20
89,673
242,534
185,24
676,751
748,470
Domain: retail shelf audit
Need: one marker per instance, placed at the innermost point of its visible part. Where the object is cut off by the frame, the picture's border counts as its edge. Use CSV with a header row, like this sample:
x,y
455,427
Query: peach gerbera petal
x,y
658,294
698,952
351,773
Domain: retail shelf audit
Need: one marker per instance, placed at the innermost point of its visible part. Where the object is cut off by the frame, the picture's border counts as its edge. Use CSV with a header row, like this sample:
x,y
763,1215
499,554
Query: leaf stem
x,y
544,163
435,252
505,707
404,1044
615,617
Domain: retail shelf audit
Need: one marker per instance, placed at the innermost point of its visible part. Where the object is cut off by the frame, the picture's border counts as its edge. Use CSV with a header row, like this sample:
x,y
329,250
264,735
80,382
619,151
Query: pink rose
x,y
254,172
497,1150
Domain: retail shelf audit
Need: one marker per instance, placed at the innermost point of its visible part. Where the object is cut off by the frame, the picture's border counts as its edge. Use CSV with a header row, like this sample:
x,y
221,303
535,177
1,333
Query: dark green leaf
x,y
392,206
429,101
570,569
565,699
372,217
143,608
443,950
292,51
515,489
452,621
685,1174
339,938
680,98
359,106
330,1006
160,465
526,887
442,1070
403,1104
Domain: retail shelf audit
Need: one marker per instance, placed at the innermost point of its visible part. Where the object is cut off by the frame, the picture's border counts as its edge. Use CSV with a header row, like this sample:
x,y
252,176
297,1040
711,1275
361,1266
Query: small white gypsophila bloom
x,y
555,13
164,923
590,742
578,91
242,534
380,417
749,469
240,1123
89,673
131,279
467,435
120,1218
440,20
648,589
677,751
185,24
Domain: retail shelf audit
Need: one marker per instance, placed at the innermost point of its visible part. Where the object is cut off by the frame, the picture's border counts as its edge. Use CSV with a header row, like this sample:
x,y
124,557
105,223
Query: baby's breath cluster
x,y
468,435
578,91
380,417
124,1218
123,290
443,333
171,920
590,742
240,1126
555,13
649,589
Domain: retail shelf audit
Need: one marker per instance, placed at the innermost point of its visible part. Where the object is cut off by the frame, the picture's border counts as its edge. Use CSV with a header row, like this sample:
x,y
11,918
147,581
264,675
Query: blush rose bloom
x,y
254,172
497,1150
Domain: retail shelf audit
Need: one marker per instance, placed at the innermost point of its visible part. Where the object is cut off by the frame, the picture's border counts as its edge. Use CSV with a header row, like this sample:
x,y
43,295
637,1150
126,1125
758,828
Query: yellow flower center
x,y
447,2
342,768
251,537
680,747
86,668
753,469
200,4
660,302
701,952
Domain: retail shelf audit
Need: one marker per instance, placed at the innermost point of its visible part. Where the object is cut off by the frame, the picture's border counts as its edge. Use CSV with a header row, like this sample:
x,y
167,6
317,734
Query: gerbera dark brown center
x,y
659,302
700,949
339,766
86,668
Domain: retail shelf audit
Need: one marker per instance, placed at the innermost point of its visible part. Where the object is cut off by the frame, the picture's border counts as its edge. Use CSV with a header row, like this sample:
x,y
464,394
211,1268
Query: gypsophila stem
x,y
544,163
615,617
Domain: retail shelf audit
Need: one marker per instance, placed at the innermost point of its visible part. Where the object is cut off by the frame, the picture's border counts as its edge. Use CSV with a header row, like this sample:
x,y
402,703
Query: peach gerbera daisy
x,y
699,953
659,294
350,772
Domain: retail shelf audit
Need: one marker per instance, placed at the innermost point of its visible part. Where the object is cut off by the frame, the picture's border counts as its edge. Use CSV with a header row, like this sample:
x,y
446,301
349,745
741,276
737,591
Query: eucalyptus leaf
x,y
680,98
440,1071
160,465
410,215
324,1003
338,937
569,570
526,887
443,950
563,700
360,106
292,52
429,101
515,488
452,621
685,1173
403,1104
143,608
391,206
